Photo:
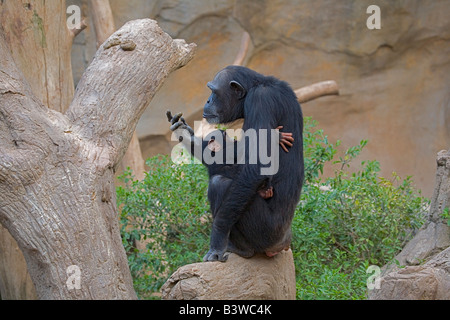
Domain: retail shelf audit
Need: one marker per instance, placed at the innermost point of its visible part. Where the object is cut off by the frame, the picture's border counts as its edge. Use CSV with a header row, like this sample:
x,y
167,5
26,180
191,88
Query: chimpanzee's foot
x,y
266,193
215,255
271,254
243,253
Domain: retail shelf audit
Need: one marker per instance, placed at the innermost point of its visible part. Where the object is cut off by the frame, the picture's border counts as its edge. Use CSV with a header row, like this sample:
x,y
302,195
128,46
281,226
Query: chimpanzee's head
x,y
228,92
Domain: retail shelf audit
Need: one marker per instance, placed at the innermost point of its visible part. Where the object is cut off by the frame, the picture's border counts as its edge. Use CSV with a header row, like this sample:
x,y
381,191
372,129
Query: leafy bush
x,y
342,224
347,222
167,214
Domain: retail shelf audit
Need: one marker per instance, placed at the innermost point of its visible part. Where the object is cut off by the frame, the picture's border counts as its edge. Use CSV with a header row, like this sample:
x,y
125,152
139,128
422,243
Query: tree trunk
x,y
15,281
104,27
38,33
56,171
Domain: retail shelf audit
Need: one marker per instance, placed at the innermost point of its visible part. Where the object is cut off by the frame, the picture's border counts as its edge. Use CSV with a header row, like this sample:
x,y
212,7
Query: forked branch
x,y
114,91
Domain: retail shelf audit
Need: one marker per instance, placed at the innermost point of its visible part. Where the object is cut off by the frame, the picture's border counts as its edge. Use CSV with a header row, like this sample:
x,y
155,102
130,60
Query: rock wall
x,y
393,81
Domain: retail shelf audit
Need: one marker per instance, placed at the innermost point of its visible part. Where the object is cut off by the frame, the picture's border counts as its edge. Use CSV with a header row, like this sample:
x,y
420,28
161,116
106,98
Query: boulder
x,y
257,278
430,281
415,279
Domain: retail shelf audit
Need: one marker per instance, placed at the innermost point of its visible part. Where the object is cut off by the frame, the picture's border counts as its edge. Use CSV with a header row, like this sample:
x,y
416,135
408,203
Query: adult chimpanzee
x,y
244,221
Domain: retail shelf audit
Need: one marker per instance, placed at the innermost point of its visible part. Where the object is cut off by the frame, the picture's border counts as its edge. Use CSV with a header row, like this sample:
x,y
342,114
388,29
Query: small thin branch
x,y
76,31
317,90
103,20
243,50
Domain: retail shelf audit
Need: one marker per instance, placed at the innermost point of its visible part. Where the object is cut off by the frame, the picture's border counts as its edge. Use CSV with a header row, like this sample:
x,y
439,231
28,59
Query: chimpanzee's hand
x,y
177,122
215,255
286,139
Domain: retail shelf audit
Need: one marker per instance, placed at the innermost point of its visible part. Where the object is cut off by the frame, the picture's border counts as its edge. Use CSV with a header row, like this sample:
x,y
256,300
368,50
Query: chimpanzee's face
x,y
225,104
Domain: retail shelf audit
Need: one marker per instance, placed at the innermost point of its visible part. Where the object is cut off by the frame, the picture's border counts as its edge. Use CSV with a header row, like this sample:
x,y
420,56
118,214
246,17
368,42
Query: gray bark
x,y
57,196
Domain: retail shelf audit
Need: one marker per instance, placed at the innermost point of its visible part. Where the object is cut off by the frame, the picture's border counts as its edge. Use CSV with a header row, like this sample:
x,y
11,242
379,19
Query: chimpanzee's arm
x,y
185,134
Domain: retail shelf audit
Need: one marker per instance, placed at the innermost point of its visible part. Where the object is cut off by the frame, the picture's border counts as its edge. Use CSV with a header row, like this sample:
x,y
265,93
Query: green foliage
x,y
342,224
168,213
347,222
446,215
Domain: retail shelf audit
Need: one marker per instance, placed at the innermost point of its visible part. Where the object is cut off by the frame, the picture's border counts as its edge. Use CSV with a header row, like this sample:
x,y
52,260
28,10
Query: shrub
x,y
349,221
342,224
167,213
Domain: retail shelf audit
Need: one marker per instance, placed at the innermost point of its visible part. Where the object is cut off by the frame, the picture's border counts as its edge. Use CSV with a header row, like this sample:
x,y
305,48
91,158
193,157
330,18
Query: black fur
x,y
243,222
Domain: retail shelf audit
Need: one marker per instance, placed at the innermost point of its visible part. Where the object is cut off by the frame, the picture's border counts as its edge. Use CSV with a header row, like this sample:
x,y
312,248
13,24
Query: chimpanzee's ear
x,y
238,89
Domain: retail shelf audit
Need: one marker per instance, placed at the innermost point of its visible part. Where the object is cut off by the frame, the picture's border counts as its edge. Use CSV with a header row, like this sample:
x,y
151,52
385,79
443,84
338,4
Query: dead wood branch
x,y
243,50
317,90
103,20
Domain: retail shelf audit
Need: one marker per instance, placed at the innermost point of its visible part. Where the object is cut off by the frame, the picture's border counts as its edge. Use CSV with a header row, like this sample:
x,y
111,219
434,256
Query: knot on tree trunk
x,y
239,278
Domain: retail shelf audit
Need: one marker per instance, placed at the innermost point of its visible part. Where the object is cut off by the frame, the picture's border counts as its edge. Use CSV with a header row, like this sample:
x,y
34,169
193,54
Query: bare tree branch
x,y
24,126
104,28
113,93
103,20
76,31
243,50
317,90
304,94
